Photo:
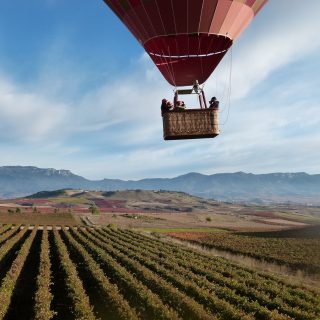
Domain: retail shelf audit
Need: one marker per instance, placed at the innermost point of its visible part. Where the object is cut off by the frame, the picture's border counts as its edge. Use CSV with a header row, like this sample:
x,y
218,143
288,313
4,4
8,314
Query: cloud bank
x,y
114,129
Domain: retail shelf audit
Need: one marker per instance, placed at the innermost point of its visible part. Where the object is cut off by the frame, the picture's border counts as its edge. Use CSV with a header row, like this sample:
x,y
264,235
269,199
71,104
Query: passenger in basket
x,y
214,103
179,106
166,106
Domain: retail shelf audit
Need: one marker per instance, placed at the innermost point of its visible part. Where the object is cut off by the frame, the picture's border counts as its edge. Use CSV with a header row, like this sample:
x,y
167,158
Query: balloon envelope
x,y
186,39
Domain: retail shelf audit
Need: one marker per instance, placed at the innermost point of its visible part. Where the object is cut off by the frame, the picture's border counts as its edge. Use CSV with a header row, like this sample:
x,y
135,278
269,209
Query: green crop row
x,y
109,291
124,274
82,309
249,299
8,233
145,301
43,297
297,253
273,299
9,243
214,296
168,293
3,229
261,280
9,281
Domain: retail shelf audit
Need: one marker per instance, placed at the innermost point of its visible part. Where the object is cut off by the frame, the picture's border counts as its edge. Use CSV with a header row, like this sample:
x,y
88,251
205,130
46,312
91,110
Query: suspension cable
x,y
229,91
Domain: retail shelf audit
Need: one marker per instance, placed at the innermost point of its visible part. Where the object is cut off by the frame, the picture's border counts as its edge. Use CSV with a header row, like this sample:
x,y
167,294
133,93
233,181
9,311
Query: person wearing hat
x,y
165,106
214,103
180,106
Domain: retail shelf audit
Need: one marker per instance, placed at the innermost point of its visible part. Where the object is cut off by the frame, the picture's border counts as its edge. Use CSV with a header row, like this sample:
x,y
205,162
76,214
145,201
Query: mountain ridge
x,y
278,187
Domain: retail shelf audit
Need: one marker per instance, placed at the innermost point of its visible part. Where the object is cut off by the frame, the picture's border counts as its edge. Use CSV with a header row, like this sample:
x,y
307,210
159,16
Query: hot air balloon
x,y
187,39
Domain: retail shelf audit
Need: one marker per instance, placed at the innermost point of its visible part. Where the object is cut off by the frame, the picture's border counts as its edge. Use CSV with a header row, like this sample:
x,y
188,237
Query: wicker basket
x,y
190,124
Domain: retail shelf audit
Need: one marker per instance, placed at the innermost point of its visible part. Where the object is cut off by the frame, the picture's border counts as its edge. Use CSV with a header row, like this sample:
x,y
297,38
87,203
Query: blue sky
x,y
78,92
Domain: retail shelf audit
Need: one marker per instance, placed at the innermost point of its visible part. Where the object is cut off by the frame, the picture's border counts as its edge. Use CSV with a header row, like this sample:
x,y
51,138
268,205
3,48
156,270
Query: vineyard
x,y
296,248
85,273
42,216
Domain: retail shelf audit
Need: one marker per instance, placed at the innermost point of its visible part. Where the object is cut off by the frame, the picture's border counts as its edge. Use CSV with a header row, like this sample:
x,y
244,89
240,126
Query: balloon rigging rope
x,y
199,52
225,89
162,57
188,26
177,47
229,91
172,70
163,60
170,66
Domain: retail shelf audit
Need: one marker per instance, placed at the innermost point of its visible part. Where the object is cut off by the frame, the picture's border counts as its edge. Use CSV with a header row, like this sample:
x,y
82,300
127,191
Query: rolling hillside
x,y
242,187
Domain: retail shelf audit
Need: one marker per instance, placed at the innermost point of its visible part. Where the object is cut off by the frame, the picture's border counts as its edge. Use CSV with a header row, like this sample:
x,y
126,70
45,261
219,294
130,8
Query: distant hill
x,y
126,200
16,181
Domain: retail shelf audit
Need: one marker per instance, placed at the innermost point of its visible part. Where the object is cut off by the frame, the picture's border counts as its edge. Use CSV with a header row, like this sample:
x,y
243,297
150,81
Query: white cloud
x,y
283,33
28,116
115,130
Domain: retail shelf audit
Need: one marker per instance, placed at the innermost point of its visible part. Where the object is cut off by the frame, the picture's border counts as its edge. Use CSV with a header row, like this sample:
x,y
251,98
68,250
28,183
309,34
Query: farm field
x,y
39,217
297,248
152,210
110,273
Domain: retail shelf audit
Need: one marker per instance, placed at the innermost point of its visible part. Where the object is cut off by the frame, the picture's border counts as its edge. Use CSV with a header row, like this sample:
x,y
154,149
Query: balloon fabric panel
x,y
208,6
186,39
